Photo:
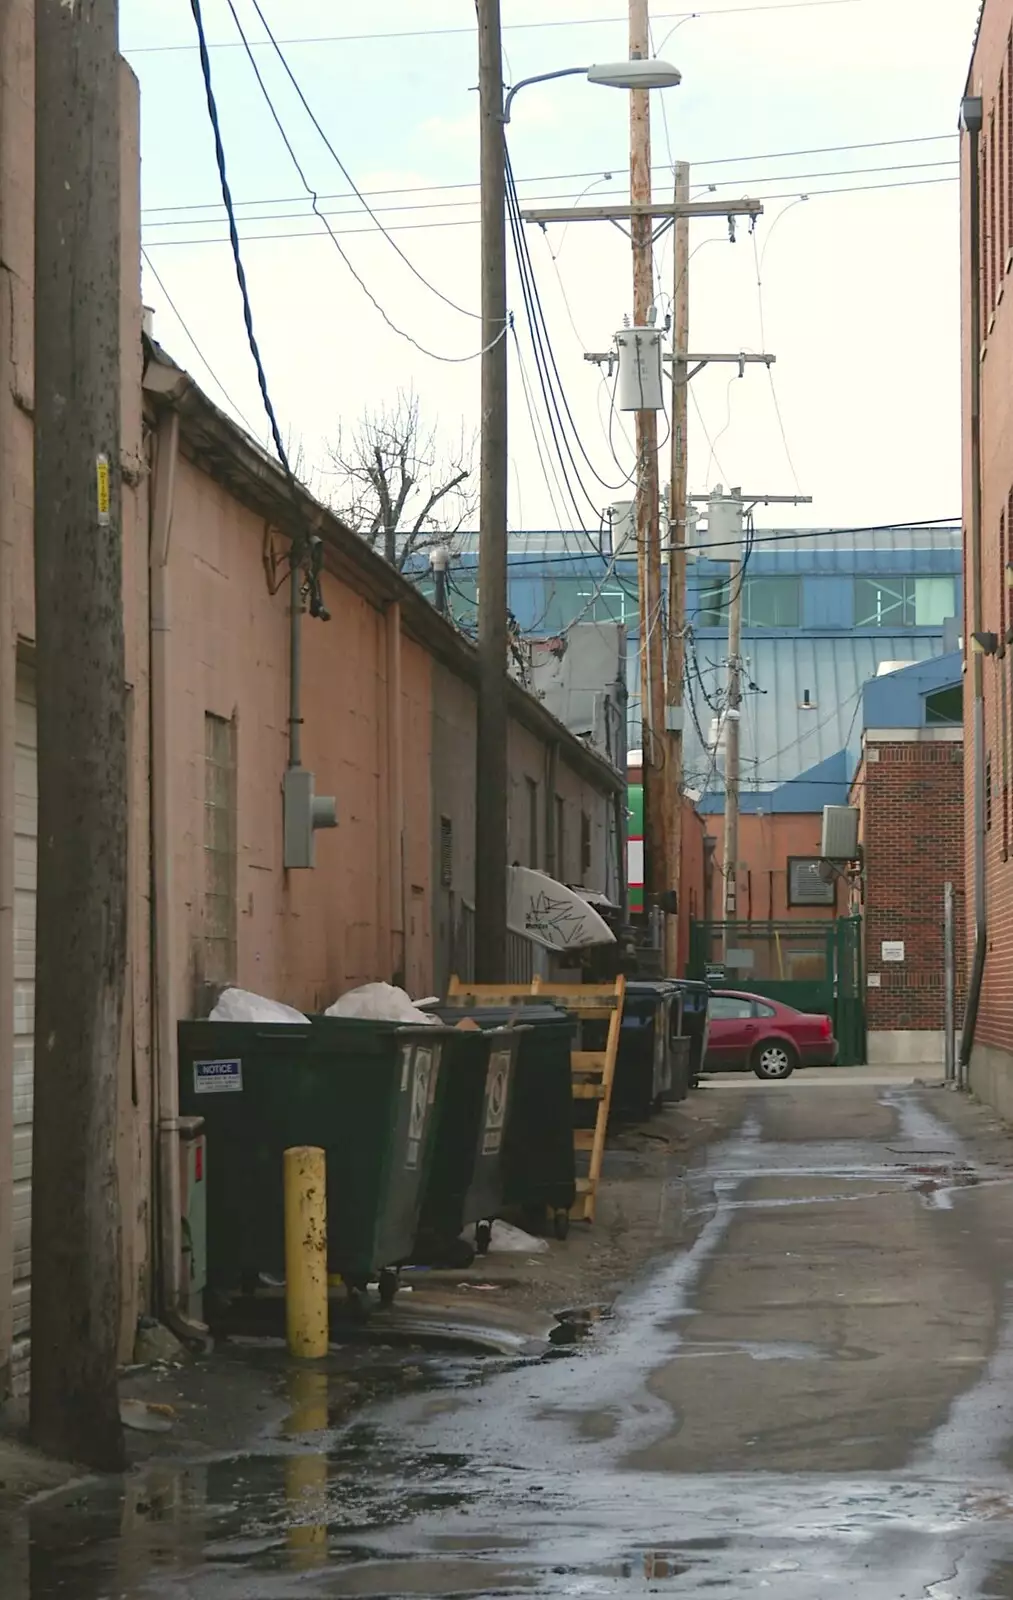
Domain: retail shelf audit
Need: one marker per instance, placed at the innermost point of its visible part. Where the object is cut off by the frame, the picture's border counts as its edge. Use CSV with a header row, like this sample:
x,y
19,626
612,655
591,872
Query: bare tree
x,y
398,489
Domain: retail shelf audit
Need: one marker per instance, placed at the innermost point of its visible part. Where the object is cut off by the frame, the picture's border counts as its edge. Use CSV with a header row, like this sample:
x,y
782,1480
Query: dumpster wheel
x,y
483,1237
561,1223
388,1285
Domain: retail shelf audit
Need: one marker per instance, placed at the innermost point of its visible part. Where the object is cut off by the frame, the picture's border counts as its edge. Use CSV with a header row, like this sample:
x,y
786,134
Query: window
x,y
585,847
945,705
585,599
219,850
988,792
560,840
766,603
760,1010
446,853
533,857
904,602
727,1008
805,885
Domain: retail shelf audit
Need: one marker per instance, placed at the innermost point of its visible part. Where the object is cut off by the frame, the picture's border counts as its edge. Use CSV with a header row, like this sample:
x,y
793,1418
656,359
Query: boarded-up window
x,y
560,840
220,959
533,859
446,853
806,885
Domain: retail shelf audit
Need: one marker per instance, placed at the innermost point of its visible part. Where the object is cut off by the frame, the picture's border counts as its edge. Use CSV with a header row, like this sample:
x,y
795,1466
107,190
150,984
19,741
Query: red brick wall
x,y
912,826
691,878
991,77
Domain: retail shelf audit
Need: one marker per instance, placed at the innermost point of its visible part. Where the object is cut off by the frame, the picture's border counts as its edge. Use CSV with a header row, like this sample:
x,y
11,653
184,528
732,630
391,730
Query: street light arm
x,y
540,77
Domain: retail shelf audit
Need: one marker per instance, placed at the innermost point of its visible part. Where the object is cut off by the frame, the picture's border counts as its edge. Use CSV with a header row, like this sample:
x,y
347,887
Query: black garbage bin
x,y
363,1091
643,1076
464,1182
538,1165
695,998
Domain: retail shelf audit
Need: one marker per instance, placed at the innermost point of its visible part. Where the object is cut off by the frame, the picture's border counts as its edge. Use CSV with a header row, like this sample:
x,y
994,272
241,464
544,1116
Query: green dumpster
x,y
464,1182
363,1091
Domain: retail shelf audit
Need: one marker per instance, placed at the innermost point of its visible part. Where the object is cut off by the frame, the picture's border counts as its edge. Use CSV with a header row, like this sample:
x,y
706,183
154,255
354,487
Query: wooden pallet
x,y
592,1071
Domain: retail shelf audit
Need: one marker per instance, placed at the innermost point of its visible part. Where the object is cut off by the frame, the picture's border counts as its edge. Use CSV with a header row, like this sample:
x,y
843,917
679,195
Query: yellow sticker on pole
x,y
102,489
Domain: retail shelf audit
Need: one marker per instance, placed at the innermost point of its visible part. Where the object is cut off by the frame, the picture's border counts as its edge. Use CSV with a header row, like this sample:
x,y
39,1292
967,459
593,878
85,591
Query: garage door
x,y
25,835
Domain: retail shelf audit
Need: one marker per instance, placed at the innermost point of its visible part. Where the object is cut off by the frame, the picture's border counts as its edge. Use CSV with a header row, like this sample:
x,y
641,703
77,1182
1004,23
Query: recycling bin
x,y
464,1182
364,1091
538,1165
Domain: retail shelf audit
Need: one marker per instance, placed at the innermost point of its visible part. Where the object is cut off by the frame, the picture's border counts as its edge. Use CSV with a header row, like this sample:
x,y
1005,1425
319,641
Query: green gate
x,y
813,966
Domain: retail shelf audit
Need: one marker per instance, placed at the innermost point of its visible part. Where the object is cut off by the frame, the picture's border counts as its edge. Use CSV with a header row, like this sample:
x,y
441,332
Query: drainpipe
x,y
295,669
970,120
162,837
395,799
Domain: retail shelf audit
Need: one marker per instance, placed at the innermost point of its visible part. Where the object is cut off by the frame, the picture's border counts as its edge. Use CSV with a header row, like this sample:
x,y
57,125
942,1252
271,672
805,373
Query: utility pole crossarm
x,y
742,359
670,210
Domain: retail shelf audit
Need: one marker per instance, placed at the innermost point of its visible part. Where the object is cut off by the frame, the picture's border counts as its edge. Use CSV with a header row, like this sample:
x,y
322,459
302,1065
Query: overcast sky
x,y
859,291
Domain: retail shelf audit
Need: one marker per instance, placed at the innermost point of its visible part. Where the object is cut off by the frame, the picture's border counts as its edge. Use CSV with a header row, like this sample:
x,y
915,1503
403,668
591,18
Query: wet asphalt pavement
x,y
813,1399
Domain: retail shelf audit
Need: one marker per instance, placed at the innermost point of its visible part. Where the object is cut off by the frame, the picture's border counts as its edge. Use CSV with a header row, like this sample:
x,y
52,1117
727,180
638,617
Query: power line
x,y
413,269
929,525
195,6
433,355
514,27
413,207
170,302
473,222
576,177
548,370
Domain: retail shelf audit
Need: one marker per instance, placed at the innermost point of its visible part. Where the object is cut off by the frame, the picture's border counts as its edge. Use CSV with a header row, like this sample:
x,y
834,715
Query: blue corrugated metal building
x,y
823,612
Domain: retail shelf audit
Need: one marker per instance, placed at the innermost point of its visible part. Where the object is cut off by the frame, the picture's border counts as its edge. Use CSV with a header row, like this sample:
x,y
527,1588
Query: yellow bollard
x,y
306,1252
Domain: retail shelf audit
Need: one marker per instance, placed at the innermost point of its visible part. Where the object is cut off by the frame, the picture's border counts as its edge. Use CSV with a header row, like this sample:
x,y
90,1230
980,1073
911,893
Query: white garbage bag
x,y
238,1005
508,1240
379,1002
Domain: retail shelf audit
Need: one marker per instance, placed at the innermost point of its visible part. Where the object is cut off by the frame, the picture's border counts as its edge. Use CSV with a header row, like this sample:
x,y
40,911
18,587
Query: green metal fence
x,y
814,966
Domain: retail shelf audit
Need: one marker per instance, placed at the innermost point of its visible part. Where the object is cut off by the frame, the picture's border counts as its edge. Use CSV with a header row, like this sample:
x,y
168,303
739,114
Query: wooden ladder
x,y
592,1071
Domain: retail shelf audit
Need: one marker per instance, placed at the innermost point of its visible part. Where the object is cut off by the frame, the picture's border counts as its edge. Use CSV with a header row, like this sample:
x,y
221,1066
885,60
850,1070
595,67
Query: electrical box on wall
x,y
304,812
840,833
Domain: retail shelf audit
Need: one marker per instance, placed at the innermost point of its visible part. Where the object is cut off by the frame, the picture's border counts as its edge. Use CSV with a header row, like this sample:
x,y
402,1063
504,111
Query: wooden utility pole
x,y
81,945
675,659
733,713
652,646
492,778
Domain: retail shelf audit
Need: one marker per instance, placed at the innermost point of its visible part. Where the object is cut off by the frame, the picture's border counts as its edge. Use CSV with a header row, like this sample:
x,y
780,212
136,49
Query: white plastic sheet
x,y
239,1005
379,1002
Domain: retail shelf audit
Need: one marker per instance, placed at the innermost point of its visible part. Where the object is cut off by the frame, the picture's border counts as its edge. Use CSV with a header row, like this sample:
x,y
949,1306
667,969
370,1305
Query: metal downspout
x,y
971,113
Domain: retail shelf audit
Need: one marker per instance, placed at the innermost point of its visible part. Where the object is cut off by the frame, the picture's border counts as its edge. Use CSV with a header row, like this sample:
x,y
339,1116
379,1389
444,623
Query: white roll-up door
x,y
25,859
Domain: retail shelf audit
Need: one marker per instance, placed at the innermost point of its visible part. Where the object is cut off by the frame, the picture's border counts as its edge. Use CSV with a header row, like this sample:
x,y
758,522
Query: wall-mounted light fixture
x,y
985,644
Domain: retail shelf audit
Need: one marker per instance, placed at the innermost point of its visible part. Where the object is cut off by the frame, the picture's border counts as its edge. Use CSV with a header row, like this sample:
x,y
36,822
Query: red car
x,y
748,1032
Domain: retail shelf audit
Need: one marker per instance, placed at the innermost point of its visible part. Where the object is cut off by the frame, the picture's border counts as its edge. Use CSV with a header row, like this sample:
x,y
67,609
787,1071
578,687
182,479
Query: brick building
x,y
987,365
909,791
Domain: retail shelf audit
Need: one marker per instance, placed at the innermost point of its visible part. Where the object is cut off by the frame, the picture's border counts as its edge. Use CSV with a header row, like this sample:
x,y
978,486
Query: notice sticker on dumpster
x,y
496,1087
218,1077
420,1105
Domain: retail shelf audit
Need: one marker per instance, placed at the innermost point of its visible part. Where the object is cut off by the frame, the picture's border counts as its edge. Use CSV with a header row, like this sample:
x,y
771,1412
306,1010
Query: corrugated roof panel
x,y
779,738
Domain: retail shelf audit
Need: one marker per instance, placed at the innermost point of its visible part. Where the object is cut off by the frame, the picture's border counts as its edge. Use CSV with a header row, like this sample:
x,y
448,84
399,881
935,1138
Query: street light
x,y
492,790
608,75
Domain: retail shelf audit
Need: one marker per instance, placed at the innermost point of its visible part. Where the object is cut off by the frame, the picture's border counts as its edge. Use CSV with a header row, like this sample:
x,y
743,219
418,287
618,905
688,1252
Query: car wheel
x,y
774,1060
